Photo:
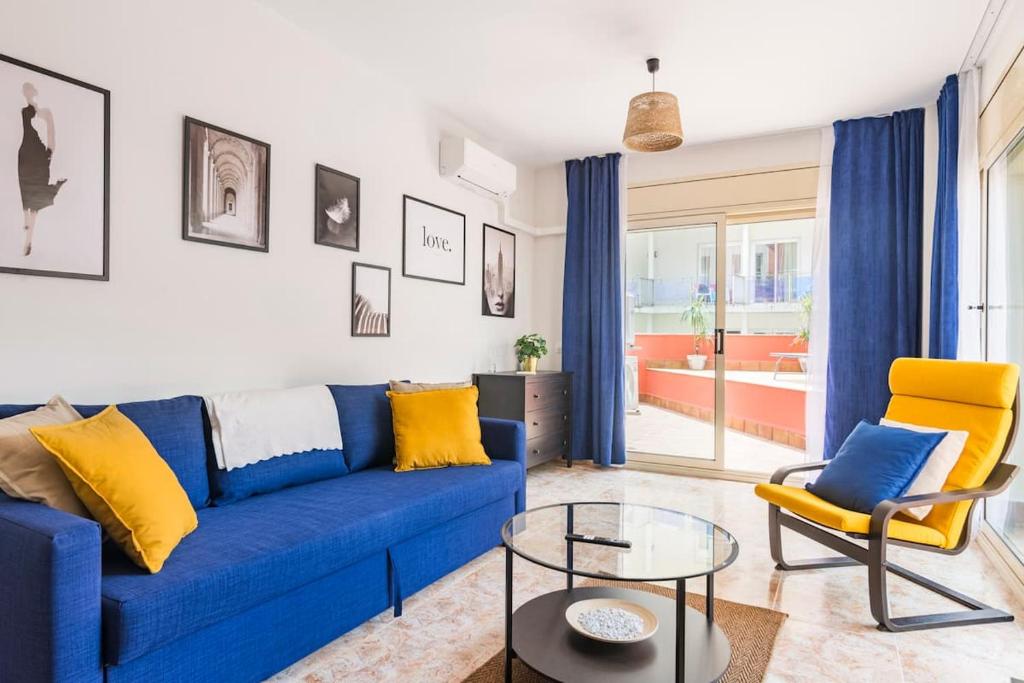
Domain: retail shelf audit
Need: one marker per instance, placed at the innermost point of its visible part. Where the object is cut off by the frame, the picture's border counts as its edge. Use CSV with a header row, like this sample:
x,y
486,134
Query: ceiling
x,y
550,79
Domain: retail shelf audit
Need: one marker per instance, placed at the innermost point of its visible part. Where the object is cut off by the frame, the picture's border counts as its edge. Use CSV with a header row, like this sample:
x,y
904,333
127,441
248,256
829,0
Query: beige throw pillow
x,y
414,387
27,470
937,467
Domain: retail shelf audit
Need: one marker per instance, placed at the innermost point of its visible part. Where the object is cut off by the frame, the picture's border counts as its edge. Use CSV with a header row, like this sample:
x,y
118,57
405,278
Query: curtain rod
x,y
984,31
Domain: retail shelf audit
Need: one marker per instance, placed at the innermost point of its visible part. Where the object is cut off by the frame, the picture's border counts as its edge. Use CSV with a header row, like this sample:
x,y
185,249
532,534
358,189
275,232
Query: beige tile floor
x,y
454,625
663,432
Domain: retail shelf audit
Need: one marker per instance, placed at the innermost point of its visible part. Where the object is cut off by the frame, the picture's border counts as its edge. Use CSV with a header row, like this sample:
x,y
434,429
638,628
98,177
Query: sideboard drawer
x,y
546,393
547,447
541,422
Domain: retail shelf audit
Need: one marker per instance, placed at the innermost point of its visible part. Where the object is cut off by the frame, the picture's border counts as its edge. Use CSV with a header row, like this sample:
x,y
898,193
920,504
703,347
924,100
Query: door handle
x,y
719,341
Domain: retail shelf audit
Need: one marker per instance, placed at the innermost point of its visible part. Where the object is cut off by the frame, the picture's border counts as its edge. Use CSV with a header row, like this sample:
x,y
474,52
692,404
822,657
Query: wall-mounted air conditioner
x,y
470,165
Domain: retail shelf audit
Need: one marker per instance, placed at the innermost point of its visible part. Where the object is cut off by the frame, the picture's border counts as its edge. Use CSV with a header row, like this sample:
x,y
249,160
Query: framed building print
x,y
225,188
433,242
499,273
336,223
371,300
55,177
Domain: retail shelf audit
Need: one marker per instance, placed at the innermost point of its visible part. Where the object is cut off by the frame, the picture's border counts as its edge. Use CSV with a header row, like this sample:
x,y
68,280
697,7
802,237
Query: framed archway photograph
x,y
55,190
225,188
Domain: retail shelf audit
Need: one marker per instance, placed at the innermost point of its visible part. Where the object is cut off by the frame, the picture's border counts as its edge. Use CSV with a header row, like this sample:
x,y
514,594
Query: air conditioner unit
x,y
470,165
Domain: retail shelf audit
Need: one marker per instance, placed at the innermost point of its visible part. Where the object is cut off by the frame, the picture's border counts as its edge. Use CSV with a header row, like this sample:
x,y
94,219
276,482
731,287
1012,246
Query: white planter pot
x,y
696,362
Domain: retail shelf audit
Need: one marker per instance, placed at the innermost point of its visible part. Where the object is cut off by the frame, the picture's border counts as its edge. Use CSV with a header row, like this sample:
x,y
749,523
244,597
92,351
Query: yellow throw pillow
x,y
124,483
436,429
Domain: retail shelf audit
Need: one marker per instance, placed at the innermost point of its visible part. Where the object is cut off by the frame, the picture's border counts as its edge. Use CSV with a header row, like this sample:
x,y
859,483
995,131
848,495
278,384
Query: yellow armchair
x,y
979,398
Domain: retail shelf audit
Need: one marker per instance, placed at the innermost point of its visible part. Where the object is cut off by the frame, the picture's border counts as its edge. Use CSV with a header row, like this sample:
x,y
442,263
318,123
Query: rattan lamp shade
x,y
652,124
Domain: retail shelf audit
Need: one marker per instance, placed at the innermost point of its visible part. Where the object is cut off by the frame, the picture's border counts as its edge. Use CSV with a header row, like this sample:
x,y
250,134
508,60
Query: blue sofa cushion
x,y
249,552
267,476
875,463
12,409
364,414
175,428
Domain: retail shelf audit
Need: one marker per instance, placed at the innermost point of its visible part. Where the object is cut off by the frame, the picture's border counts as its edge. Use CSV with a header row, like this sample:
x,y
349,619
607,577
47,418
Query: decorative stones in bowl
x,y
610,620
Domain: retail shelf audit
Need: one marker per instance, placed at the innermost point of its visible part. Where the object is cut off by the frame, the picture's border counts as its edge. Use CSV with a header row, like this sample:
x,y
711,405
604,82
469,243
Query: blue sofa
x,y
290,553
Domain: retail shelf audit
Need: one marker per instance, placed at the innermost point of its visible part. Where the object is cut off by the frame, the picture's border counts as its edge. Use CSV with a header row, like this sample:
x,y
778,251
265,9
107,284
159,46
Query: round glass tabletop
x,y
656,544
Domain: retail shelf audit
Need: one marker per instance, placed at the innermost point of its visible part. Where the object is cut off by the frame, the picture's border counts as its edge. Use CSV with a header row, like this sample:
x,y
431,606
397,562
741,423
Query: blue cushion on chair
x,y
874,463
367,435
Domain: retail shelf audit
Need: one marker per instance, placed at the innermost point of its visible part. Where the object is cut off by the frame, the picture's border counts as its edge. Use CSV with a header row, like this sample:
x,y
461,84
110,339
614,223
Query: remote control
x,y
599,540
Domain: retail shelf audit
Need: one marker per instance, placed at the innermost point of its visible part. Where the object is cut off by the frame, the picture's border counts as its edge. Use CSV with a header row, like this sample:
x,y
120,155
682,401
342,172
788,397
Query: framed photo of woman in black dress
x,y
54,173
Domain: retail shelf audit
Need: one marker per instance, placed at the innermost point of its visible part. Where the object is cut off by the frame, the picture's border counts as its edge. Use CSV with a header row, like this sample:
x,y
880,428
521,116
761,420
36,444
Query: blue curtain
x,y
943,322
875,268
592,343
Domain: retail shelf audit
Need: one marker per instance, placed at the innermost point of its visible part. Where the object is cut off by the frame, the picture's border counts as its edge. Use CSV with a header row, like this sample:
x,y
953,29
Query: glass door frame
x,y
1013,561
660,460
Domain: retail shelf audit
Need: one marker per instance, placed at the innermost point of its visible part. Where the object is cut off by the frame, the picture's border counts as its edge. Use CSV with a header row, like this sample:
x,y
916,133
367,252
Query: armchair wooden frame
x,y
874,555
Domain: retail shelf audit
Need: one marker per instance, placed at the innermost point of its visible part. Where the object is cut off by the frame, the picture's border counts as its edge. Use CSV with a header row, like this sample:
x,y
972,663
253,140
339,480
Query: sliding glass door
x,y
717,330
674,373
1004,313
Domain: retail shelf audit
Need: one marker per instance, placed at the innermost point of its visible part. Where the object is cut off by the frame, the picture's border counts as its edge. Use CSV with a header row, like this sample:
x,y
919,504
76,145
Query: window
x,y
733,268
775,271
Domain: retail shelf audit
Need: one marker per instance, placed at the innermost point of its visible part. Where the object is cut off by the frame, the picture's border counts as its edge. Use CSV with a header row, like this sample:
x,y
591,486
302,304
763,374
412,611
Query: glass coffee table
x,y
618,542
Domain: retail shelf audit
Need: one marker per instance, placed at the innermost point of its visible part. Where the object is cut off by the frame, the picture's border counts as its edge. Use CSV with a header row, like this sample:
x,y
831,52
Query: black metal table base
x,y
688,646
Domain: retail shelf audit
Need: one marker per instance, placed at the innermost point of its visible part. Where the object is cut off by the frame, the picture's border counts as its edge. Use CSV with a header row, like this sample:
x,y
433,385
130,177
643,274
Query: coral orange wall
x,y
776,407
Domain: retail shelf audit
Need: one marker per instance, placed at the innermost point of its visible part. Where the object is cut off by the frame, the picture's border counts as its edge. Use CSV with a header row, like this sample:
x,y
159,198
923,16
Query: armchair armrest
x,y
506,440
997,482
50,571
779,476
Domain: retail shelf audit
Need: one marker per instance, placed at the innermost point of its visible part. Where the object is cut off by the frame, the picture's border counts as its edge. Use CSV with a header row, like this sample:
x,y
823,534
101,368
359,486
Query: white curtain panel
x,y
968,198
817,361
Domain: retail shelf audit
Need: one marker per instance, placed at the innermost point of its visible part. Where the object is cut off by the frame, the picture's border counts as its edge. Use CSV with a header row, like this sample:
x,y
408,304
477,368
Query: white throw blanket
x,y
250,426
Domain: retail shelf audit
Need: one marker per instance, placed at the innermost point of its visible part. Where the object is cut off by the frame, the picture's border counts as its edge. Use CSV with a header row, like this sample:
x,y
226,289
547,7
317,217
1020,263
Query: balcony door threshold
x,y
1008,565
649,462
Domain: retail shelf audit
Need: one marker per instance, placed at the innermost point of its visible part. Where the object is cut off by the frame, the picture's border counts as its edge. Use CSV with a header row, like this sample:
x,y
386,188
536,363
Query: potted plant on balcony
x,y
529,349
803,335
696,314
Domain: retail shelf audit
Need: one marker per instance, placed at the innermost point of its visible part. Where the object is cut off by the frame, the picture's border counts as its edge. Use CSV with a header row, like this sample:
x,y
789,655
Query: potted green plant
x,y
529,349
696,315
803,335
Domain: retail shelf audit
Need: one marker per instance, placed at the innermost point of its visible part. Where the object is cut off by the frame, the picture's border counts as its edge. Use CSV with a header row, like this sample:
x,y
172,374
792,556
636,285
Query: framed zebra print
x,y
371,300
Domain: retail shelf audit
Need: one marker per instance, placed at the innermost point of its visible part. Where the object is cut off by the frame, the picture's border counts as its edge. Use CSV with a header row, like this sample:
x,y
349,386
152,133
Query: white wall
x,y
180,316
782,149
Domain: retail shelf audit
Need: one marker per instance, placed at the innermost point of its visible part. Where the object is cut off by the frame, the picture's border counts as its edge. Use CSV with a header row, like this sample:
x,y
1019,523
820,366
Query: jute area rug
x,y
751,632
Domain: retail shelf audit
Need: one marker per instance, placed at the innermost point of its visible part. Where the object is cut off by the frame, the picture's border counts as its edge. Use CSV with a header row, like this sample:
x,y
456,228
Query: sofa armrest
x,y
50,569
506,440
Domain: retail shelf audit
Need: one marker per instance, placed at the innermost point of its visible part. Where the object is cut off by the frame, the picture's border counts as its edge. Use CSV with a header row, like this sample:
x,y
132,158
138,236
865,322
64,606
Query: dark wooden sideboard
x,y
543,401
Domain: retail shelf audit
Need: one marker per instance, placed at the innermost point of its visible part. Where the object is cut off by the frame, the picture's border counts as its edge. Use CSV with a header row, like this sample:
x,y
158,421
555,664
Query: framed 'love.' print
x,y
433,242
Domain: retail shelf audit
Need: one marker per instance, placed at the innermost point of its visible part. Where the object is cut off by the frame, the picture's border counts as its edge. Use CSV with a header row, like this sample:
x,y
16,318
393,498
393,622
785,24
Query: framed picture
x,y
55,175
226,188
371,300
336,223
499,273
433,242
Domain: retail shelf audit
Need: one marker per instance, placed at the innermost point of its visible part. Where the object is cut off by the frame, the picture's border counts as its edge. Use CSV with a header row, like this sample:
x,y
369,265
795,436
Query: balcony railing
x,y
739,290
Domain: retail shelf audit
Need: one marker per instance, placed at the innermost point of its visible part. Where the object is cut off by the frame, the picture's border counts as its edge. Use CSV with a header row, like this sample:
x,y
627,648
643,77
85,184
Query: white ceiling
x,y
550,79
